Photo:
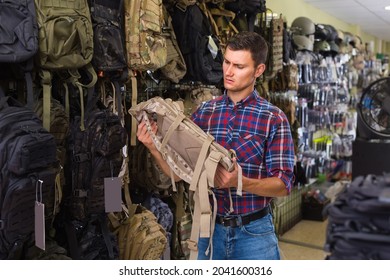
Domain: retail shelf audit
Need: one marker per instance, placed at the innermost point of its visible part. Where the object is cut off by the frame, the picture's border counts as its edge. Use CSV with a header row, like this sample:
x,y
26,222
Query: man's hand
x,y
144,136
225,179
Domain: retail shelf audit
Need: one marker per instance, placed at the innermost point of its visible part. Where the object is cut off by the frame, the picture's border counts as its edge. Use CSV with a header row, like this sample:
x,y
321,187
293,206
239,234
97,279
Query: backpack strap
x,y
74,249
46,85
172,128
134,93
75,80
29,87
203,218
106,236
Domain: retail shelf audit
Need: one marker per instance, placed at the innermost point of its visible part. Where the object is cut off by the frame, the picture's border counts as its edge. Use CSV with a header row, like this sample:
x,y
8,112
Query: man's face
x,y
239,71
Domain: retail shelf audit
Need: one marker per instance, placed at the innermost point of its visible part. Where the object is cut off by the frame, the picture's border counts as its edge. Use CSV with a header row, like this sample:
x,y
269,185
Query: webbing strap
x,y
193,241
57,193
29,87
211,164
239,183
200,162
172,128
174,188
82,117
67,101
106,236
203,221
134,94
118,95
179,201
46,85
205,208
202,211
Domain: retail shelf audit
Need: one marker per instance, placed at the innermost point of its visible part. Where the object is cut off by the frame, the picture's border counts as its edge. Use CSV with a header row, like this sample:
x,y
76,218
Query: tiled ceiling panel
x,y
370,15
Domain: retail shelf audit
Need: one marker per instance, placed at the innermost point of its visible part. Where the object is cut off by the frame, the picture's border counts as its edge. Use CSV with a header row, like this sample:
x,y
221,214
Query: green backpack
x,y
65,46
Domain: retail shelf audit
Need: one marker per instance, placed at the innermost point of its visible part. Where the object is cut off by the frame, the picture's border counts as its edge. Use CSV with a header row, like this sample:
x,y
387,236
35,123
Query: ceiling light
x,y
387,8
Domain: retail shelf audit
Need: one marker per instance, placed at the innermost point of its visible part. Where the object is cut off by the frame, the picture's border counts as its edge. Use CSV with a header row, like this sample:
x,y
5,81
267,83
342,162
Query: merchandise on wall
x,y
88,62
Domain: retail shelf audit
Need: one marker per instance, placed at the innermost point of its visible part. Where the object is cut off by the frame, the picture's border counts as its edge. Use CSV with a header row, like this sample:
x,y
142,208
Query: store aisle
x,y
304,241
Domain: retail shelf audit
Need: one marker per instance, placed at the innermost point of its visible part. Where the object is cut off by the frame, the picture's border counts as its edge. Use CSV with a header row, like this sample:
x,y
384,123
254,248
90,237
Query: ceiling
x,y
370,15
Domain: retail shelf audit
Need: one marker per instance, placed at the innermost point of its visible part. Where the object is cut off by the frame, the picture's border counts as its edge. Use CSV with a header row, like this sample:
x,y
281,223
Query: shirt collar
x,y
244,102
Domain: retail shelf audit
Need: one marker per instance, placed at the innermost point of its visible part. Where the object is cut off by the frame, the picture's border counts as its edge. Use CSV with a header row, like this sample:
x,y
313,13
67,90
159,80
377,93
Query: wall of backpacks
x,y
69,72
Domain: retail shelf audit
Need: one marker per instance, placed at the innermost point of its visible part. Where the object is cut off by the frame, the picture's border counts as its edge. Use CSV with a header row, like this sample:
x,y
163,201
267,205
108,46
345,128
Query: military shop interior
x,y
76,77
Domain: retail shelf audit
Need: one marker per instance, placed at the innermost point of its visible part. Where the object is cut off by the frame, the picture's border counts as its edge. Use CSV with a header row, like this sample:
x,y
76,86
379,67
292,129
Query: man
x,y
260,135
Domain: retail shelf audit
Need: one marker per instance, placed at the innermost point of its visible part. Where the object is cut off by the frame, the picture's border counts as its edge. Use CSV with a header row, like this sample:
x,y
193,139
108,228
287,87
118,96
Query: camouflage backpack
x,y
191,153
273,34
146,46
175,68
140,236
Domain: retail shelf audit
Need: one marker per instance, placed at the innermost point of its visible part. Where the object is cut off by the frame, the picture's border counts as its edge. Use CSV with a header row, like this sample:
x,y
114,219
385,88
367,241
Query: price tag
x,y
39,216
112,194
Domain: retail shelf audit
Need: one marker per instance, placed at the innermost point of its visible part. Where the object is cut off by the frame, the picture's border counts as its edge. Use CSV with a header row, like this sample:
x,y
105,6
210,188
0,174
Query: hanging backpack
x,y
141,237
175,68
274,36
145,43
94,154
65,47
198,44
28,179
60,129
109,57
19,42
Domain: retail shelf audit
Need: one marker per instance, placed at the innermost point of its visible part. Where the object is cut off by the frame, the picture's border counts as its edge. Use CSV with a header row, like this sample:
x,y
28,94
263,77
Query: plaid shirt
x,y
259,133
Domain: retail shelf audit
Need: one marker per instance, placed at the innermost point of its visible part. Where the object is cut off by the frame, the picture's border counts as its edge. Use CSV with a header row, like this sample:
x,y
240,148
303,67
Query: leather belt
x,y
240,220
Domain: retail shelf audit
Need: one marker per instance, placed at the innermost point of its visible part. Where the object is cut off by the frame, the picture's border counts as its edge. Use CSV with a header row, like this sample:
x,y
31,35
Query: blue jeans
x,y
254,241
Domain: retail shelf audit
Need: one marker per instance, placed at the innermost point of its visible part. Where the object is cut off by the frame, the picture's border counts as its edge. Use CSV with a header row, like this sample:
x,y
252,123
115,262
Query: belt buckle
x,y
226,221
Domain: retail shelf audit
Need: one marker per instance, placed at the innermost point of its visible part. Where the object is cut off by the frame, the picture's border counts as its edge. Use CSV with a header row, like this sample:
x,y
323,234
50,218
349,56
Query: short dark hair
x,y
251,41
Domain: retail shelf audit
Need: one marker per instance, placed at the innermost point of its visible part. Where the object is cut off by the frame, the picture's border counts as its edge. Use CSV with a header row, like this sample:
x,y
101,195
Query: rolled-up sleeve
x,y
280,151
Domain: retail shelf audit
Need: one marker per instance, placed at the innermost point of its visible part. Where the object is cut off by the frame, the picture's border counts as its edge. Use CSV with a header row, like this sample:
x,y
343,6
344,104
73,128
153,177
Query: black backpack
x,y
109,56
29,169
18,42
199,46
94,154
109,49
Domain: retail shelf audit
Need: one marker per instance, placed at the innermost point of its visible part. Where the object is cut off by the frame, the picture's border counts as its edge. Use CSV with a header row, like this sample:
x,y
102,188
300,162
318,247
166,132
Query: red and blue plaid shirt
x,y
259,133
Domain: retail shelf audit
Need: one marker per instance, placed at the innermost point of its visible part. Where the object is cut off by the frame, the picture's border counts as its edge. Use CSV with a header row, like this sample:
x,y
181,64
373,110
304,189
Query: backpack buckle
x,y
82,157
80,193
181,6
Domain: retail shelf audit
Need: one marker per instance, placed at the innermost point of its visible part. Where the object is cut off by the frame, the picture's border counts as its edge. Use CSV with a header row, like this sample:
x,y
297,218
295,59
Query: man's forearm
x,y
271,187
